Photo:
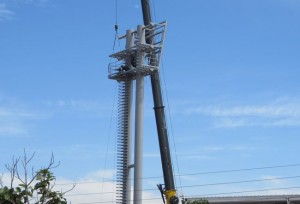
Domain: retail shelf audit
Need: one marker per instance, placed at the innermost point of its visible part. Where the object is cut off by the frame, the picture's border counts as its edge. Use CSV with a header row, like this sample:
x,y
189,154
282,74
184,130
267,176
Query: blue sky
x,y
230,72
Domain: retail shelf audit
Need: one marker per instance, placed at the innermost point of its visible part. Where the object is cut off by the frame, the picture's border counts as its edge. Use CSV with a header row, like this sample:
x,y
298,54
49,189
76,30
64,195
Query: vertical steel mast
x,y
170,191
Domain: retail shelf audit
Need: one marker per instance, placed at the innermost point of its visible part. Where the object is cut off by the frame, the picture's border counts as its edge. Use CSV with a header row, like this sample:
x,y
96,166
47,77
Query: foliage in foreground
x,y
34,189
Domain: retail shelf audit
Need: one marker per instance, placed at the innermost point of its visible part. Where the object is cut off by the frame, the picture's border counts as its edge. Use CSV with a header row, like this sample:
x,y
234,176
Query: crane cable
x,y
169,113
172,132
116,27
112,110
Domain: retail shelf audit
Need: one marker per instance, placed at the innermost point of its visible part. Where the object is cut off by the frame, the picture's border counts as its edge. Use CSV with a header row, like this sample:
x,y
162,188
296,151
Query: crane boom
x,y
161,126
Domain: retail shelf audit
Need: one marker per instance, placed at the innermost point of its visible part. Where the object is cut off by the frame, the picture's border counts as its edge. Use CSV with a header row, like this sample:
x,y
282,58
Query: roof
x,y
269,199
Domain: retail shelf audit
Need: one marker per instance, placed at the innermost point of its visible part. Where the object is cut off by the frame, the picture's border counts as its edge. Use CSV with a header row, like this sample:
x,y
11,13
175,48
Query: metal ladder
x,y
122,142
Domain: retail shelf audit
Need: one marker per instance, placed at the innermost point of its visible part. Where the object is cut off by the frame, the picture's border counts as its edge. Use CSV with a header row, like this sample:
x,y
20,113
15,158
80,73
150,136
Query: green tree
x,y
34,189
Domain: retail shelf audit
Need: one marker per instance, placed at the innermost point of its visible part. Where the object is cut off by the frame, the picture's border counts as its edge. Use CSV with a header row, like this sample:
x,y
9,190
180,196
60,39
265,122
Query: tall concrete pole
x,y
139,124
129,44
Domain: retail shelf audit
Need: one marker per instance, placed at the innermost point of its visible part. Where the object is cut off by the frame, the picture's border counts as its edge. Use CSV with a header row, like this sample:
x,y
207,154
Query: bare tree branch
x,y
27,192
74,185
12,170
52,162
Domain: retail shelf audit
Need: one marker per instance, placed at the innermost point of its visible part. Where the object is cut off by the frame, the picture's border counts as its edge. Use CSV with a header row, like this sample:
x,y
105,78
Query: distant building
x,y
268,199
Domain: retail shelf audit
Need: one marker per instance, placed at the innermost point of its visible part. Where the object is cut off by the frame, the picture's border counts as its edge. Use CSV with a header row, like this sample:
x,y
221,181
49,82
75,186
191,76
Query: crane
x,y
161,126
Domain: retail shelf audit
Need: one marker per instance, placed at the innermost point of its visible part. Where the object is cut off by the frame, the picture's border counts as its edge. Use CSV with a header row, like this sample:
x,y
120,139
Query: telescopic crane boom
x,y
169,192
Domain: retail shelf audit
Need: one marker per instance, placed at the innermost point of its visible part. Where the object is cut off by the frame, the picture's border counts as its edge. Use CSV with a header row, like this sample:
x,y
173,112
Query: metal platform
x,y
150,54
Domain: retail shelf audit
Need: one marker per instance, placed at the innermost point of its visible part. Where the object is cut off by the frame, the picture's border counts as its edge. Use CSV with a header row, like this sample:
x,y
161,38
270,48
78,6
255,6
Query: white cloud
x,y
33,2
108,174
272,180
5,13
80,105
12,129
213,148
151,155
13,121
208,153
293,4
136,6
98,192
216,149
97,108
5,179
92,189
279,113
15,117
87,190
279,110
4,112
196,157
283,191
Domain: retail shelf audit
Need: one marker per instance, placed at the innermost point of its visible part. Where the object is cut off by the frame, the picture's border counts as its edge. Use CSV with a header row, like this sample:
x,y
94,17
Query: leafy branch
x,y
34,189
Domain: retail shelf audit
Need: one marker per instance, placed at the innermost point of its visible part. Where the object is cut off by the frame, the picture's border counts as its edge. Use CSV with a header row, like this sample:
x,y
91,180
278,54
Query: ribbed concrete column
x,y
139,125
129,43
